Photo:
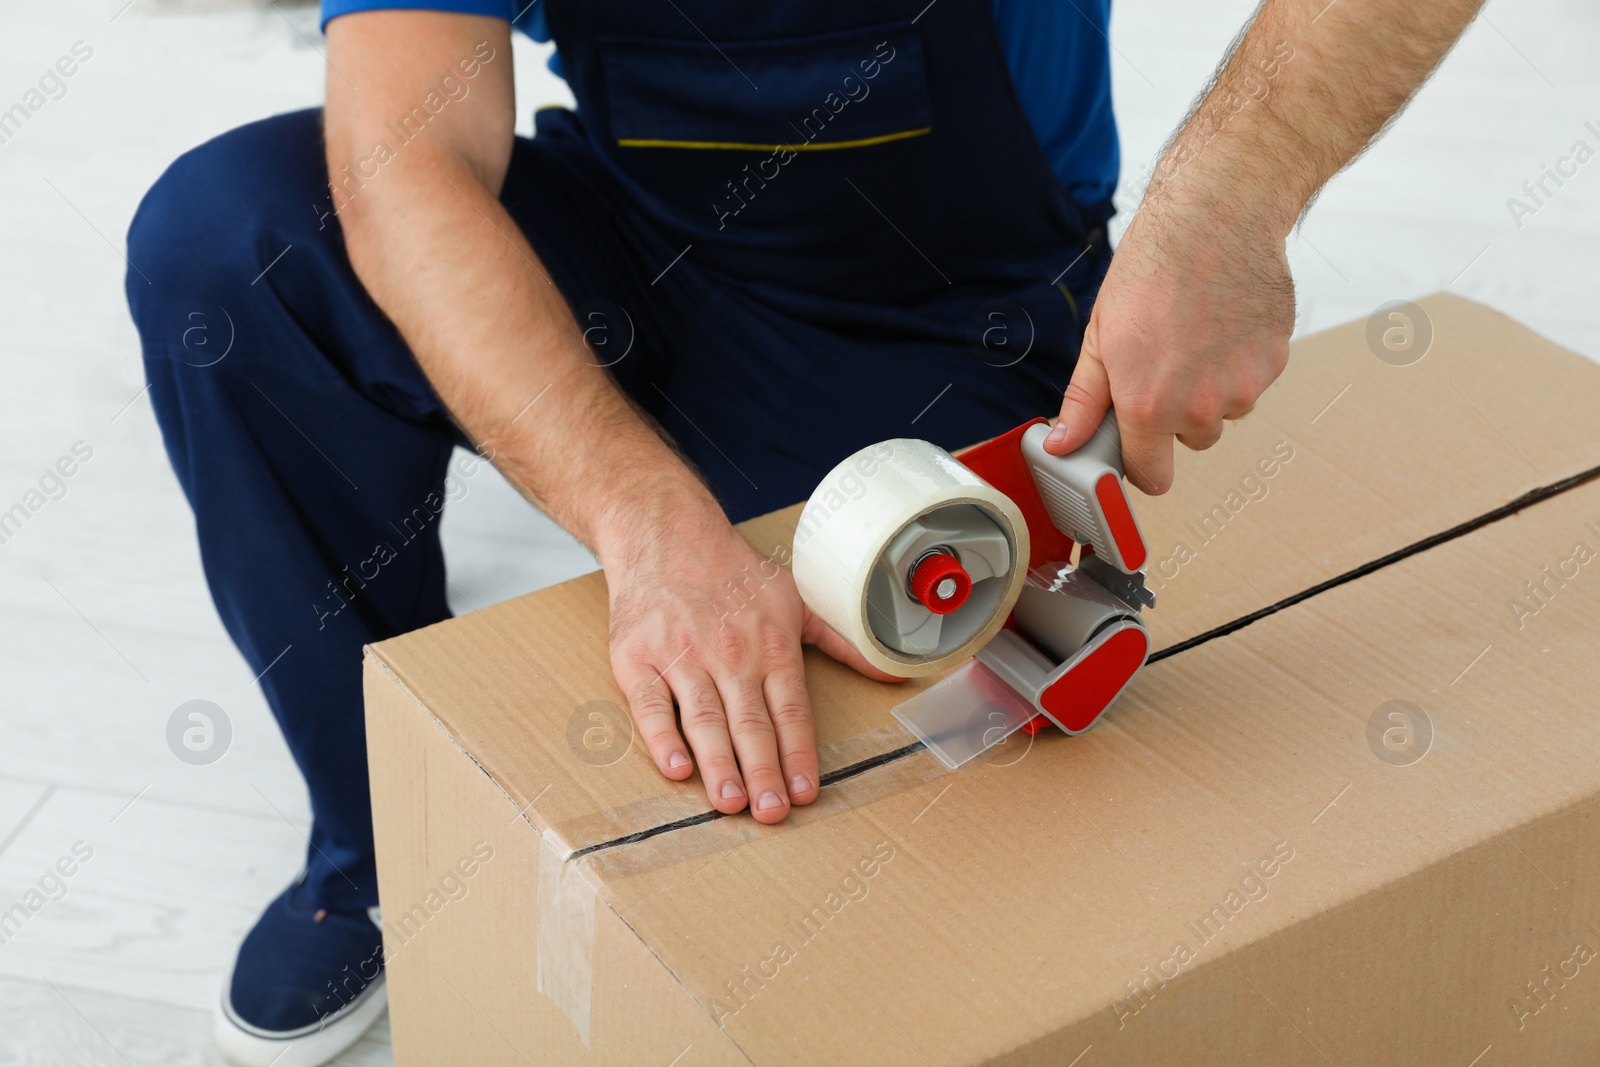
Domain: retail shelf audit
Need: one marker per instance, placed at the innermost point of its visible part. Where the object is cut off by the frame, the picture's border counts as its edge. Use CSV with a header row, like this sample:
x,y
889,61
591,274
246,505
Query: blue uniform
x,y
1055,50
883,240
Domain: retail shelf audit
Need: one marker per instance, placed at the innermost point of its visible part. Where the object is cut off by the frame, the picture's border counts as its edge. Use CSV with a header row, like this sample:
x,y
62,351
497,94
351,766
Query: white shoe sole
x,y
247,1046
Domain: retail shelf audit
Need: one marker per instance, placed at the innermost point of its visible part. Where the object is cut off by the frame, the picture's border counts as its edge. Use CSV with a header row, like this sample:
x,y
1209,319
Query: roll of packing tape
x,y
910,556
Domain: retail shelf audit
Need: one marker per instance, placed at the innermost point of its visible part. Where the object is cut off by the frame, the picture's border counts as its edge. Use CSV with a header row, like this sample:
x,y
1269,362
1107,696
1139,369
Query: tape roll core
x,y
872,519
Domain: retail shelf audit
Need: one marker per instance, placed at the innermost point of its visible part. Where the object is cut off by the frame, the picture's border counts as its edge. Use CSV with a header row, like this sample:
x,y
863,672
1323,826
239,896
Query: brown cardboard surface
x,y
460,947
1019,913
1380,457
1384,456
1029,908
1022,899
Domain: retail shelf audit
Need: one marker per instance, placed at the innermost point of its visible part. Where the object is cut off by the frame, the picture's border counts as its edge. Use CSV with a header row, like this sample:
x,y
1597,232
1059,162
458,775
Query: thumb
x,y
1088,396
816,632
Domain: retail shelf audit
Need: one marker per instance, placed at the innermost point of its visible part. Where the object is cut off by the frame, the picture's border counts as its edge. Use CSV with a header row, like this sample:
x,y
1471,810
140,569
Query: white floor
x,y
105,625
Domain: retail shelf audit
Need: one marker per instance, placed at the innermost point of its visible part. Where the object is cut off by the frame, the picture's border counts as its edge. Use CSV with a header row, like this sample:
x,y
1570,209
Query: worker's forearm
x,y
444,260
1308,86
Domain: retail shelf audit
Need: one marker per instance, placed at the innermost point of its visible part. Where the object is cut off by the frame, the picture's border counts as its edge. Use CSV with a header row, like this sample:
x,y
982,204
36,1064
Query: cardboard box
x,y
1346,816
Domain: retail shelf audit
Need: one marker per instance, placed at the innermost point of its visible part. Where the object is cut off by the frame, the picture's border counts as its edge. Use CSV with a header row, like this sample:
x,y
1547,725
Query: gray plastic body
x,y
1061,608
964,531
1069,487
1062,616
1065,617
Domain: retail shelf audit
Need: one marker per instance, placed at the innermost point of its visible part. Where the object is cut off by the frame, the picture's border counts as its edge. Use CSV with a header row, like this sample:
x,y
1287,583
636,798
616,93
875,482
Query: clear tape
x,y
565,936
966,714
722,835
598,832
859,509
565,917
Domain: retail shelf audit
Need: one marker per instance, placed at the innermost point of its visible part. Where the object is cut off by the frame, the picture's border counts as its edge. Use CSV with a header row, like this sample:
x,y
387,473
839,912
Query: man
x,y
769,235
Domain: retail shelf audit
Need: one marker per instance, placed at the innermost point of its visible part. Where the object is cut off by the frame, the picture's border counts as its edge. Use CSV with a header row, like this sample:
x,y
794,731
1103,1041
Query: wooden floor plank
x,y
50,1024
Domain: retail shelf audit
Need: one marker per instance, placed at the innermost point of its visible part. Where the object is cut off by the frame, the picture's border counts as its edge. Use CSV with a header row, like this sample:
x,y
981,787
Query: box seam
x,y
1531,498
548,835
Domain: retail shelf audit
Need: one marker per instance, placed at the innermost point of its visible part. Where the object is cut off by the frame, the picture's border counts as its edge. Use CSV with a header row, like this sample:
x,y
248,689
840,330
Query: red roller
x,y
941,583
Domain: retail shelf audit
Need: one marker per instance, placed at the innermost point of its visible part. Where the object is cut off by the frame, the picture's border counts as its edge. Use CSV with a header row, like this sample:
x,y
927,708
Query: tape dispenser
x,y
963,566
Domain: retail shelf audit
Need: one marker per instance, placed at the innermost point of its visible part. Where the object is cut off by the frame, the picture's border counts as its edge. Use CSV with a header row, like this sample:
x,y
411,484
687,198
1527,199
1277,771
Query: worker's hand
x,y
1190,327
695,619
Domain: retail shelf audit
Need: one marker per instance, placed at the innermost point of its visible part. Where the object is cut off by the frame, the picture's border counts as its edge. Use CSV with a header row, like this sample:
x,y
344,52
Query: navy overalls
x,y
831,227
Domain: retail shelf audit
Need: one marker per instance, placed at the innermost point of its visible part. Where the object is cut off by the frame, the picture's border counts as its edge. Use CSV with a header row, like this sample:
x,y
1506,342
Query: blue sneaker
x,y
306,985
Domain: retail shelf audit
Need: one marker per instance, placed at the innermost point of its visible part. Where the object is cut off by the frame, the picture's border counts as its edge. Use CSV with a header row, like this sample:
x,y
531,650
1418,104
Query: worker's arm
x,y
431,243
1193,321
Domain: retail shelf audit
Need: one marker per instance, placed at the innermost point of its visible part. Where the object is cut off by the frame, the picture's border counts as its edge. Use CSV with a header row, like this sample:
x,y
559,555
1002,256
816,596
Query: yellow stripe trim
x,y
1072,303
742,146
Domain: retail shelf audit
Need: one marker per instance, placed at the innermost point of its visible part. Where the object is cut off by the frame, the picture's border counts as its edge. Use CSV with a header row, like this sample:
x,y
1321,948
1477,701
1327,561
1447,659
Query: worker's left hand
x,y
701,620
1191,326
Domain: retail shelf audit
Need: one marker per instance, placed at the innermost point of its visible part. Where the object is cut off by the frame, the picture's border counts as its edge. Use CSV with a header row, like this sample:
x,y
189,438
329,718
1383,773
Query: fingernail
x,y
676,760
799,784
731,790
1057,435
769,799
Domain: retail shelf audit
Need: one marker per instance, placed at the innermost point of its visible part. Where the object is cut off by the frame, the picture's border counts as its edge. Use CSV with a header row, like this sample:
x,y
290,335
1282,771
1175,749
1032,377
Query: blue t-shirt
x,y
1058,54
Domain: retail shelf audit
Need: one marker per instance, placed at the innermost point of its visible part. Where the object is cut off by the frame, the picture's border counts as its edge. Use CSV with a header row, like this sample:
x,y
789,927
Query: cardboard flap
x,y
1347,459
525,689
1379,457
1245,786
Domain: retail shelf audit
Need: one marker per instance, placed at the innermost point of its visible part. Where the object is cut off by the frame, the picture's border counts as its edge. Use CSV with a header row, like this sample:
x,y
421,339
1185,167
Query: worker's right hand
x,y
1191,326
696,621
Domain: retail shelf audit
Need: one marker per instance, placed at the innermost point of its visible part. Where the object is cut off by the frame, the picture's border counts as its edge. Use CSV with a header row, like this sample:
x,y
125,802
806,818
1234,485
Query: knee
x,y
206,224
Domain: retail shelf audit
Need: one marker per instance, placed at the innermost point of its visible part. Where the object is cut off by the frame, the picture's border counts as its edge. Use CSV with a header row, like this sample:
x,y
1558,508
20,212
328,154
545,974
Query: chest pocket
x,y
851,89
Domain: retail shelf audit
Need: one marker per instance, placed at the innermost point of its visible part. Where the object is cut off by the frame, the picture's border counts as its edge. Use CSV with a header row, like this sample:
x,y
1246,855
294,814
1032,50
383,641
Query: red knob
x,y
941,583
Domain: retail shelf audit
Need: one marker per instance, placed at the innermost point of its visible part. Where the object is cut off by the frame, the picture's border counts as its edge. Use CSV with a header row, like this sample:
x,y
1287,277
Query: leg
x,y
308,443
